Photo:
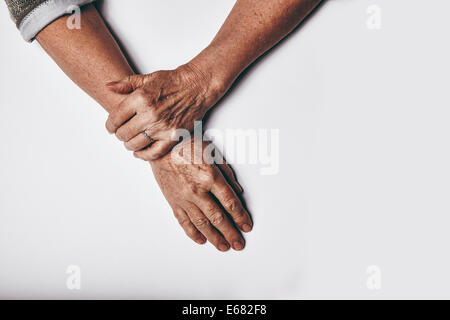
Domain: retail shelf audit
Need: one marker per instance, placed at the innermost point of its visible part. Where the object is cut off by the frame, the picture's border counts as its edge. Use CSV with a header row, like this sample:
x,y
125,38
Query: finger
x,y
117,118
231,203
226,169
203,225
138,143
229,174
126,85
156,151
126,109
220,221
132,128
190,230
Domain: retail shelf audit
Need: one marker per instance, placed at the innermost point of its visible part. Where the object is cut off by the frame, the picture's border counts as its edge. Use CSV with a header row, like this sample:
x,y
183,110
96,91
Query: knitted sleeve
x,y
31,16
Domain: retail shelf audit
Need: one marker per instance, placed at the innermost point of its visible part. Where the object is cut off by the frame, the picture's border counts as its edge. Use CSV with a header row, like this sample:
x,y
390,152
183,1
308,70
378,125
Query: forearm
x,y
89,56
252,28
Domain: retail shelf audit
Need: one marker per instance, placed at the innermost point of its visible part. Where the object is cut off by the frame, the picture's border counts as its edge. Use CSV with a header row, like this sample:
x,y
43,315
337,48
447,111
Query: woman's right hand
x,y
157,105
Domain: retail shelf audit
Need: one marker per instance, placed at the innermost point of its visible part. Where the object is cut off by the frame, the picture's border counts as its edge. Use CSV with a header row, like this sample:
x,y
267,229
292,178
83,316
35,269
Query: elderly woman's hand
x,y
158,104
203,196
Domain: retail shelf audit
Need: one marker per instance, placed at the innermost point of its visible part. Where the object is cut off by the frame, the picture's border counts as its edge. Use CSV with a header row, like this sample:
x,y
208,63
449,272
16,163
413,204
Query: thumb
x,y
127,85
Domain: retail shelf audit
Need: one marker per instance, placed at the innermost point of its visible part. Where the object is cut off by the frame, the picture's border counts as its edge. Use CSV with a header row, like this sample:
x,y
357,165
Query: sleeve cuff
x,y
44,14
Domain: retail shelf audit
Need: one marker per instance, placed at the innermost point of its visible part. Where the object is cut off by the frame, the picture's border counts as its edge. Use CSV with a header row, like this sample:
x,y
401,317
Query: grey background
x,y
364,175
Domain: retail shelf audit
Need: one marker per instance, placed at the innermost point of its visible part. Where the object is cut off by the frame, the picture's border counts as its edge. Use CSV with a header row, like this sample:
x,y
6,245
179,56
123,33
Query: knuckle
x,y
123,135
217,218
200,222
209,175
184,223
140,98
209,210
174,133
119,136
130,78
141,106
151,113
232,204
190,188
112,124
129,146
127,135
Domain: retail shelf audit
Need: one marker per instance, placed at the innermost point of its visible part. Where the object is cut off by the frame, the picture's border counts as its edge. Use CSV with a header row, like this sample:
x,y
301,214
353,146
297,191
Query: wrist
x,y
216,68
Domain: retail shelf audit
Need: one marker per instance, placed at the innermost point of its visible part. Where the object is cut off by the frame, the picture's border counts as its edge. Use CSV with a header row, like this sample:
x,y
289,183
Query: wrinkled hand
x,y
203,197
159,104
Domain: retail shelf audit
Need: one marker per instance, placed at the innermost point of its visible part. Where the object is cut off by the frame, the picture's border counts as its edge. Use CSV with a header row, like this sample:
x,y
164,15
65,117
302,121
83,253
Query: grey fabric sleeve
x,y
31,16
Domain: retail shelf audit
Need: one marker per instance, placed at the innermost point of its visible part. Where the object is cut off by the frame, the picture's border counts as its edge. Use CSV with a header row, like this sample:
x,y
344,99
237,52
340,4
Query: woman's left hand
x,y
158,104
204,193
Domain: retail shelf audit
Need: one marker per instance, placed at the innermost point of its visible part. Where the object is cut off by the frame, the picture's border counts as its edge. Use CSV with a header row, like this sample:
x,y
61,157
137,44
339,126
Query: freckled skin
x,y
200,196
171,100
203,196
160,103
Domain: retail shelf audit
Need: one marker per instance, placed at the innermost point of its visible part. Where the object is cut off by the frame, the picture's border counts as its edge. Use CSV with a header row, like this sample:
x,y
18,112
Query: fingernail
x,y
200,241
238,246
240,189
223,247
246,228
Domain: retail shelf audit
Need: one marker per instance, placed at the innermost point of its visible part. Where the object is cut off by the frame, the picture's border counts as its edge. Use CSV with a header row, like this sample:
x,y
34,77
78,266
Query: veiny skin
x,y
207,207
202,197
91,58
164,101
160,103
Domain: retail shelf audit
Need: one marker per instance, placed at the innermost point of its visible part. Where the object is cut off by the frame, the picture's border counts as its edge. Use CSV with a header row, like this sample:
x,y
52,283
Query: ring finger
x,y
132,128
139,142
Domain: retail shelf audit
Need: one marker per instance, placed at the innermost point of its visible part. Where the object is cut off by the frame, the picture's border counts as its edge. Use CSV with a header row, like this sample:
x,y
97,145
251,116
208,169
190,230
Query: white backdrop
x,y
364,152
